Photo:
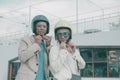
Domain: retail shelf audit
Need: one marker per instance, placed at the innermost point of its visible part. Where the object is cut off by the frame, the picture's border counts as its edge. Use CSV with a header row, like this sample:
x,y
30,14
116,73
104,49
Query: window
x,y
101,62
14,65
114,62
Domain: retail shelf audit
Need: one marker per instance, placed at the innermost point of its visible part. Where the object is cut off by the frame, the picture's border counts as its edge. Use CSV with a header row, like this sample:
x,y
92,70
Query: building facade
x,y
101,52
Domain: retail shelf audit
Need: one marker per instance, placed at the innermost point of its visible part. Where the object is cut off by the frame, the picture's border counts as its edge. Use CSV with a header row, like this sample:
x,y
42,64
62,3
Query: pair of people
x,y
37,56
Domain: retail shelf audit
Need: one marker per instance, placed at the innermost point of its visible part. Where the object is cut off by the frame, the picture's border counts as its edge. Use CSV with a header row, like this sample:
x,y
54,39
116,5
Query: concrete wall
x,y
108,38
7,53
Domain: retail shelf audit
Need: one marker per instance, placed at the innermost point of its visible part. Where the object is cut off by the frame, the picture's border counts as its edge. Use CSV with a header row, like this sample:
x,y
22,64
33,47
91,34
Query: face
x,y
63,35
41,28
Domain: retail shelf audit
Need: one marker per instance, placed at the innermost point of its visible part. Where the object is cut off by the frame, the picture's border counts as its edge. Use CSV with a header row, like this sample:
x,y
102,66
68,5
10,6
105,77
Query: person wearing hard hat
x,y
33,51
65,59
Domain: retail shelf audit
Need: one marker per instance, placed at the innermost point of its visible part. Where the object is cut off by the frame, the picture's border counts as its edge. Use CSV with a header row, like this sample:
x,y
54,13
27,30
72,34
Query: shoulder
x,y
27,37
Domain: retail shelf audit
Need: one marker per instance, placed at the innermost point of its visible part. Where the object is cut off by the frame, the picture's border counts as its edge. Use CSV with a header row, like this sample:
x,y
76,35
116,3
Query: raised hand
x,y
38,39
63,45
71,47
47,40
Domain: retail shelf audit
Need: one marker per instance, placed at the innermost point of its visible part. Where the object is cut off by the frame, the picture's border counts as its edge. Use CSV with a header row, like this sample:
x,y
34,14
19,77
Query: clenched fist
x,y
71,47
38,39
47,40
63,45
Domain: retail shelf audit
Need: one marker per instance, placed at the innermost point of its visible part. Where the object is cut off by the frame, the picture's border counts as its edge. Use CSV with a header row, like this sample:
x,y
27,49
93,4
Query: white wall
x,y
108,38
6,53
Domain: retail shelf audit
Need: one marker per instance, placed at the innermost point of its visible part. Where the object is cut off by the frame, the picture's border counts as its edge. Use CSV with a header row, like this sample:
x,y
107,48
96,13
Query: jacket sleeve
x,y
57,59
27,51
78,57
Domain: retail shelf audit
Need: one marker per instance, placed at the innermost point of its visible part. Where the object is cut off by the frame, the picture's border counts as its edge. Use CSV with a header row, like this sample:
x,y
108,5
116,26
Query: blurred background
x,y
95,32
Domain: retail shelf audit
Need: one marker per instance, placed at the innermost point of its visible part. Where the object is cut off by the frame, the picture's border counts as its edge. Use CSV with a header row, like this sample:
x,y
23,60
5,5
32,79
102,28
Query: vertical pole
x,y
29,19
77,16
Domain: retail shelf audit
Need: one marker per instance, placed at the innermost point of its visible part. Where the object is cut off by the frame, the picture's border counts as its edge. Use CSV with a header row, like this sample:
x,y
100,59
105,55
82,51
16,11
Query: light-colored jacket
x,y
28,51
58,62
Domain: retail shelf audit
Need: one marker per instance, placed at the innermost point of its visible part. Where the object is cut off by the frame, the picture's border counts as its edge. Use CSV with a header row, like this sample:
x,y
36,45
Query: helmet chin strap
x,y
60,41
42,37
